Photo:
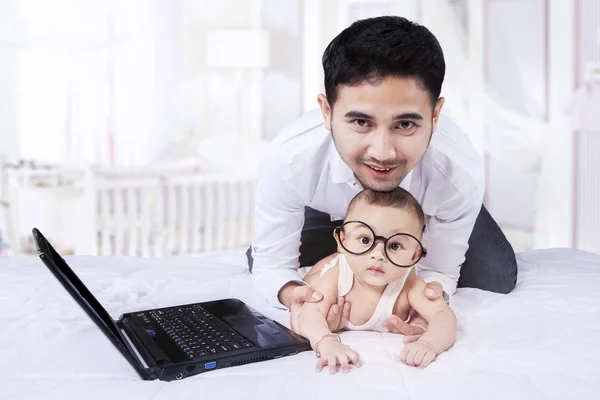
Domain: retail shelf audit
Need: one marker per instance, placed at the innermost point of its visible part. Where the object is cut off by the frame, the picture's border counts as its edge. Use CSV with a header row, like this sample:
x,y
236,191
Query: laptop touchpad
x,y
262,333
242,320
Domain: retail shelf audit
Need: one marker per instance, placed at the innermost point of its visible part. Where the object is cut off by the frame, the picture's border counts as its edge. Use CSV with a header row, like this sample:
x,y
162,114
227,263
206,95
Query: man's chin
x,y
380,185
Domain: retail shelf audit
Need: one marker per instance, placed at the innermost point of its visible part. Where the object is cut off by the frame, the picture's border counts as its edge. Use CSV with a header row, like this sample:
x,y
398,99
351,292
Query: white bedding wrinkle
x,y
539,342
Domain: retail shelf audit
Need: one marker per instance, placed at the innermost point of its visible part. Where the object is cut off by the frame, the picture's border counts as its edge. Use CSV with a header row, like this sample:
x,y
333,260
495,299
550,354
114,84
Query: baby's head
x,y
395,215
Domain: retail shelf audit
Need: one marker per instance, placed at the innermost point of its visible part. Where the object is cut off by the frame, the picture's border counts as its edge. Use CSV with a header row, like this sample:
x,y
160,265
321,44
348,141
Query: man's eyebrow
x,y
357,114
398,117
412,115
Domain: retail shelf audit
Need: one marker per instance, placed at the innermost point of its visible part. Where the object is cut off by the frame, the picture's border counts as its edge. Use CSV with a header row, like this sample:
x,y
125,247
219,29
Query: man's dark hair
x,y
375,48
397,198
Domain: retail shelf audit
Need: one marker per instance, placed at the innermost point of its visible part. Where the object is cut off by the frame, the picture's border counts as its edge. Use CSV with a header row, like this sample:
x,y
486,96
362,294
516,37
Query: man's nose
x,y
382,146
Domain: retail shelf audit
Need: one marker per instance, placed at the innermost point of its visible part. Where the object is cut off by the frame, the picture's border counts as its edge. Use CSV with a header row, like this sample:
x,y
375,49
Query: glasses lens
x,y
403,250
356,237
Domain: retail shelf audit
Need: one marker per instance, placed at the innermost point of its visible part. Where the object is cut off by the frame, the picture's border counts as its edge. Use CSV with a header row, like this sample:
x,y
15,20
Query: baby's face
x,y
374,267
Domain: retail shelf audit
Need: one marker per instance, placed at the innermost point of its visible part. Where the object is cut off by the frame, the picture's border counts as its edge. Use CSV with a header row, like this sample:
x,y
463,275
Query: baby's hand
x,y
419,353
334,353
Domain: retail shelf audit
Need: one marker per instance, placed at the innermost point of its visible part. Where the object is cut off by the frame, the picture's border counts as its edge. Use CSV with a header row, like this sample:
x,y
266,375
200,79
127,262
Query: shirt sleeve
x,y
446,238
278,221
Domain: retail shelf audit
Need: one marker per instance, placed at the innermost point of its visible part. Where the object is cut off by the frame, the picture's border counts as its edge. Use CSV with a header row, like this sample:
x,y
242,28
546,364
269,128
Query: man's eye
x,y
361,123
406,125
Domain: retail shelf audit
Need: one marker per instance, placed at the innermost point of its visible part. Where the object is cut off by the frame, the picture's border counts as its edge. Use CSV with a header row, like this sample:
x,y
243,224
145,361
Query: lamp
x,y
240,51
237,48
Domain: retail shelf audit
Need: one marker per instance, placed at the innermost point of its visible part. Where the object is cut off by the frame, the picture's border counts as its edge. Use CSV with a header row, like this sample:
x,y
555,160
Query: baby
x,y
379,245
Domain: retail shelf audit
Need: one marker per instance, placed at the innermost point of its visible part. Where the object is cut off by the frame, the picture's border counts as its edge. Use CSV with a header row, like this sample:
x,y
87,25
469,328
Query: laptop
x,y
176,342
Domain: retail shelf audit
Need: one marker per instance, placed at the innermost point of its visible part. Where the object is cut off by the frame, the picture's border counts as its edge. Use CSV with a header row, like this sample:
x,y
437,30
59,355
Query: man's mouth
x,y
380,171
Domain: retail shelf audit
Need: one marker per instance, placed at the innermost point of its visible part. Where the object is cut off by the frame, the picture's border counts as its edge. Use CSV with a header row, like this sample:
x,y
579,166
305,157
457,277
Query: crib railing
x,y
173,215
170,209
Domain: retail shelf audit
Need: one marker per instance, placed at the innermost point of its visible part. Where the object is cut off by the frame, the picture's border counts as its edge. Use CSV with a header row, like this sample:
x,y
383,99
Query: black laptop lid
x,y
71,282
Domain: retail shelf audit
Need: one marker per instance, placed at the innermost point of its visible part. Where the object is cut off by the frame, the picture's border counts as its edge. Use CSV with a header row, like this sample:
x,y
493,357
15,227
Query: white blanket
x,y
539,342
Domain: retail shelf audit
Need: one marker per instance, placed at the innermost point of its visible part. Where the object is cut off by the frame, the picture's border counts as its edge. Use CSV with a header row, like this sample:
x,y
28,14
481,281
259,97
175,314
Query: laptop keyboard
x,y
197,333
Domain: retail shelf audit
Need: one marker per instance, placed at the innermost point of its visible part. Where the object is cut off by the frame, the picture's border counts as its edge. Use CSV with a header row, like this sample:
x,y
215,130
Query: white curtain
x,y
586,105
97,79
520,137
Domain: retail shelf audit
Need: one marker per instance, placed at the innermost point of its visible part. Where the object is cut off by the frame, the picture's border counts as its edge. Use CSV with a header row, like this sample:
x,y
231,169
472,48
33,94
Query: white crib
x,y
172,214
156,211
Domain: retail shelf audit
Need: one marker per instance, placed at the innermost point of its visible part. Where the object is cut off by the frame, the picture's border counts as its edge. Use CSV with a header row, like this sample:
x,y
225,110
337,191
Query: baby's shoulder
x,y
323,273
413,283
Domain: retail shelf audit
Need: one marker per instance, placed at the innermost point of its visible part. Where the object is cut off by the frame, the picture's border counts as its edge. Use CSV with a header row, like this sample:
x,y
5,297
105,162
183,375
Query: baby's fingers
x,y
332,361
354,358
403,354
419,355
410,357
320,364
343,362
427,359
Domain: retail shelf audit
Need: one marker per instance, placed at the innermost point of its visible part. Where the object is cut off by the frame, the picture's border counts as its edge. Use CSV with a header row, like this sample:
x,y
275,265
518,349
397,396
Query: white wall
x,y
9,77
586,142
281,88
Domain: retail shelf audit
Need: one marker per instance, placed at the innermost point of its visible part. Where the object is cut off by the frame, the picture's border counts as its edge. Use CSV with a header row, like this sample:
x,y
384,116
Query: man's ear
x,y
437,110
325,110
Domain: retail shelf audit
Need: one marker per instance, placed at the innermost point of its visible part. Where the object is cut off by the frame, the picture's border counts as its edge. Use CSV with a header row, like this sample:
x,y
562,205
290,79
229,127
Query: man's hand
x,y
417,325
396,325
296,296
434,290
338,315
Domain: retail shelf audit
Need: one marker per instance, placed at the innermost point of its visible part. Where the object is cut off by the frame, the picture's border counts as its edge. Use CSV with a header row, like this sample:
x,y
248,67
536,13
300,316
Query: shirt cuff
x,y
448,284
269,283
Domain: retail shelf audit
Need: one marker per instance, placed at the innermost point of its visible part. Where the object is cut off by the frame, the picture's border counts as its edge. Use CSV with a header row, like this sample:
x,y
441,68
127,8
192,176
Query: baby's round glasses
x,y
402,249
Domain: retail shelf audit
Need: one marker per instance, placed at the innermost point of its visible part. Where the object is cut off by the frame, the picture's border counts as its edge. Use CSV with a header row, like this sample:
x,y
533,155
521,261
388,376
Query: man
x,y
379,125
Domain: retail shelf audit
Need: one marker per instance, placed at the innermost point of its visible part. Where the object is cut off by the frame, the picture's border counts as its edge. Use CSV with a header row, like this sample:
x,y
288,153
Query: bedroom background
x,y
137,127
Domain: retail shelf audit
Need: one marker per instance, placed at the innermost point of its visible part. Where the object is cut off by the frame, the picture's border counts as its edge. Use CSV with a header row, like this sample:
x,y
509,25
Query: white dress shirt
x,y
302,167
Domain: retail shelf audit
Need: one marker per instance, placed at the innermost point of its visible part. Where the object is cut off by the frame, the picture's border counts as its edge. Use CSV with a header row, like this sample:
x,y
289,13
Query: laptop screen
x,y
75,286
81,294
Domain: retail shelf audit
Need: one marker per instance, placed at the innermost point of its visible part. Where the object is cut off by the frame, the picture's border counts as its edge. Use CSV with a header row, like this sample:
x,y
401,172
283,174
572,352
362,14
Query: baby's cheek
x,y
397,273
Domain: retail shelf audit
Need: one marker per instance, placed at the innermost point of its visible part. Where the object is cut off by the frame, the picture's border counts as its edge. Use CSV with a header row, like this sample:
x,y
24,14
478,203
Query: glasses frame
x,y
383,239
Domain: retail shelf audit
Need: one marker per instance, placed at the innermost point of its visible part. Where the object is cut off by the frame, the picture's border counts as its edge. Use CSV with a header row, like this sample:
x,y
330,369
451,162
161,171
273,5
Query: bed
x,y
539,342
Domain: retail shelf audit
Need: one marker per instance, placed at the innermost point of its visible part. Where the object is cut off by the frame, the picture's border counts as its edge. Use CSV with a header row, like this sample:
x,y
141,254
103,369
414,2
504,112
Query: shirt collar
x,y
342,173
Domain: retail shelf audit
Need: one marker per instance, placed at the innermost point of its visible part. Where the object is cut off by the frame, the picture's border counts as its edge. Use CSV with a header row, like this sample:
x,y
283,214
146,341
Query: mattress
x,y
539,342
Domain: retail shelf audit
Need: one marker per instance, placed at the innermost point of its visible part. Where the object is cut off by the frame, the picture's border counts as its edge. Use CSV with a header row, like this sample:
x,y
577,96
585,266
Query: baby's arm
x,y
441,326
312,325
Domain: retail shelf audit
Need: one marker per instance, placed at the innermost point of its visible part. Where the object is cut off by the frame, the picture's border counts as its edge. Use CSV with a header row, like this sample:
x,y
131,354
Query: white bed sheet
x,y
539,342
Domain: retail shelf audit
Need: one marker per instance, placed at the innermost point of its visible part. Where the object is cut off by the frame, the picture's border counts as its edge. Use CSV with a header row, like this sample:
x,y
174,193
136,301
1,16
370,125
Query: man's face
x,y
381,130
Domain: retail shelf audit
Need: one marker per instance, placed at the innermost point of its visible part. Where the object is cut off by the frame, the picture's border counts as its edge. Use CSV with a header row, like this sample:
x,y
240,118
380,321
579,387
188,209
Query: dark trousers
x,y
490,262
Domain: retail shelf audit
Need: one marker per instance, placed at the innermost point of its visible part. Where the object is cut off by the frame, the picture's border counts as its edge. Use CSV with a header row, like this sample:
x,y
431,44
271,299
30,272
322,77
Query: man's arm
x,y
446,239
278,221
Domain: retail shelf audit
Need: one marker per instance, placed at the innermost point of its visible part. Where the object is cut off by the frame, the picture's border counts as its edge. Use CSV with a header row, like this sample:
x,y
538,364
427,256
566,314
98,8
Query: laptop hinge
x,y
151,372
132,348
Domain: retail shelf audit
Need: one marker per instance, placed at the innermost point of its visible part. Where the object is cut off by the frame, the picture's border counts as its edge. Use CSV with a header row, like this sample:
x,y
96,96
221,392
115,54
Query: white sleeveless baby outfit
x,y
386,303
